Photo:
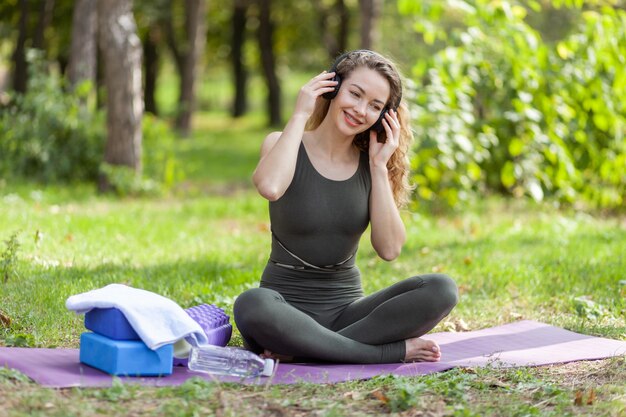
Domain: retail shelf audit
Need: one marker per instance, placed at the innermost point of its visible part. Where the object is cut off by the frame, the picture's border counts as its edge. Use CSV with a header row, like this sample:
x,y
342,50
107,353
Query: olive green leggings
x,y
349,329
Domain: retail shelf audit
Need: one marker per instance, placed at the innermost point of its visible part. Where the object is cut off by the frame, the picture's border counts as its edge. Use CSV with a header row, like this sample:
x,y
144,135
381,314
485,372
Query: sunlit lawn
x,y
208,240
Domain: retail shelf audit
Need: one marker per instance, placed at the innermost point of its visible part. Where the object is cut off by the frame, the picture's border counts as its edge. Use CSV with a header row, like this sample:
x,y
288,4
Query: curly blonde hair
x,y
398,164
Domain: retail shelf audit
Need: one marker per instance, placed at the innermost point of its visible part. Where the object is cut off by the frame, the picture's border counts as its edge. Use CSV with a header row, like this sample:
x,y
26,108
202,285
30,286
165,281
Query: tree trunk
x,y
172,42
195,22
63,62
329,41
151,67
268,62
100,78
344,26
240,104
83,52
370,12
45,17
187,57
20,66
121,52
335,43
335,38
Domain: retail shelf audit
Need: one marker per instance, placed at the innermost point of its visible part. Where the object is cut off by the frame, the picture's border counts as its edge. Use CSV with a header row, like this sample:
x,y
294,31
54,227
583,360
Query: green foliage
x,y
126,182
46,134
462,389
118,392
20,340
50,135
453,385
158,156
591,109
194,388
161,169
500,110
8,258
588,309
13,376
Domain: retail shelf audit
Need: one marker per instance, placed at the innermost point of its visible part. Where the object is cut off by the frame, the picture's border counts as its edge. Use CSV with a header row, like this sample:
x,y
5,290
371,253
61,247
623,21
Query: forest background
x,y
514,98
129,131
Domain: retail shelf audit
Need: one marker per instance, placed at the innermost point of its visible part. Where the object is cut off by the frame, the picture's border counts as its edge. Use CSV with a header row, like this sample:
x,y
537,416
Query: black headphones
x,y
378,126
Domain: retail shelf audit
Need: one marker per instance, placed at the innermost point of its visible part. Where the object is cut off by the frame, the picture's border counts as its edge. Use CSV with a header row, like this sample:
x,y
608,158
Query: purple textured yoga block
x,y
215,324
110,322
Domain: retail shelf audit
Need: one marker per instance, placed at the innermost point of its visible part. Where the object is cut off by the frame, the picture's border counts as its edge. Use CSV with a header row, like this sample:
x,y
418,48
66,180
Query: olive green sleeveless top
x,y
319,221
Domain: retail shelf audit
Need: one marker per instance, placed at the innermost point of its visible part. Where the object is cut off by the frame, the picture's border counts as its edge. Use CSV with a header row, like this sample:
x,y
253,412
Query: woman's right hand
x,y
318,85
279,151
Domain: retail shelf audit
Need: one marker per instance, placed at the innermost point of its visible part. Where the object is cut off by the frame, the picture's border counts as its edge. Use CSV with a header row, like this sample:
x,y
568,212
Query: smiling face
x,y
362,97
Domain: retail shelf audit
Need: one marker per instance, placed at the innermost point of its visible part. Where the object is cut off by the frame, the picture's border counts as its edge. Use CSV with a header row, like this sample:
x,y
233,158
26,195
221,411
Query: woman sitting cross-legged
x,y
339,166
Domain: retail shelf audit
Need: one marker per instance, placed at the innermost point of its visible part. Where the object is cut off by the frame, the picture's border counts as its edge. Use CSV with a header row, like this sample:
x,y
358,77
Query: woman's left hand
x,y
380,153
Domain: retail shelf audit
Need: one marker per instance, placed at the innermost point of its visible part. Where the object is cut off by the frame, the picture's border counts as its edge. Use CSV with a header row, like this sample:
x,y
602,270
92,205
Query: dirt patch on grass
x,y
601,372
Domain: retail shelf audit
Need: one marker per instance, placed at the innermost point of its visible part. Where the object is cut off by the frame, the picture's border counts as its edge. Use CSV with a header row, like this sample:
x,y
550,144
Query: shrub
x,y
46,134
9,258
50,135
161,169
158,156
500,110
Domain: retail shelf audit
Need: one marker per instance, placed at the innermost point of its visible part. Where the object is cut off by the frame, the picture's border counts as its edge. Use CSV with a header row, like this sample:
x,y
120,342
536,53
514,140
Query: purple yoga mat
x,y
523,343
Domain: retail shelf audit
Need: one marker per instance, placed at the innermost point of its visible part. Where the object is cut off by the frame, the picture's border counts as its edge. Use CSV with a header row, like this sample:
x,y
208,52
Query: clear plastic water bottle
x,y
228,361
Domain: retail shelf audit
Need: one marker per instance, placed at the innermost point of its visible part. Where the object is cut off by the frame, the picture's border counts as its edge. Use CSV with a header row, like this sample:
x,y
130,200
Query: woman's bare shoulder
x,y
269,142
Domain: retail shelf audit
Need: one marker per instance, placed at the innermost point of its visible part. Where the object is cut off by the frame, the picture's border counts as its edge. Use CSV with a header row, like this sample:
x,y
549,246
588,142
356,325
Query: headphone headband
x,y
338,76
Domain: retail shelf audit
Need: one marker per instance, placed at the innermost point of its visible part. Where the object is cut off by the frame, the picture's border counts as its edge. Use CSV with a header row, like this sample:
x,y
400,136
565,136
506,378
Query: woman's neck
x,y
329,141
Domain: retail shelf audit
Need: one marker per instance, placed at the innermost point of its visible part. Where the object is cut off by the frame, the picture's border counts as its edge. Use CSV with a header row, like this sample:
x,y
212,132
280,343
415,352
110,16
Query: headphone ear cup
x,y
378,126
332,94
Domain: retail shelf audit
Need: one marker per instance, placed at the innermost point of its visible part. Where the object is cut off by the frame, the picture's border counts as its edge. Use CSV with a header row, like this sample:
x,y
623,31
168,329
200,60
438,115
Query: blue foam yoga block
x,y
110,322
125,357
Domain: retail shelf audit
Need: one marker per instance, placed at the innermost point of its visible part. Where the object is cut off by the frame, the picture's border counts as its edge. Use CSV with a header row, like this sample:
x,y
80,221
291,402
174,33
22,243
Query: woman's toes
x,y
422,350
276,356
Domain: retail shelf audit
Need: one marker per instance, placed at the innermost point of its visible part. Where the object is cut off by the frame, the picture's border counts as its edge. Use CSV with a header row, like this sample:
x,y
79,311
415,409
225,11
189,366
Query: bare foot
x,y
420,350
276,356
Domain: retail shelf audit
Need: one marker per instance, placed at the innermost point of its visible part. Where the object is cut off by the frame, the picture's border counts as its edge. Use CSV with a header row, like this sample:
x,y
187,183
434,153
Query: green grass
x,y
208,240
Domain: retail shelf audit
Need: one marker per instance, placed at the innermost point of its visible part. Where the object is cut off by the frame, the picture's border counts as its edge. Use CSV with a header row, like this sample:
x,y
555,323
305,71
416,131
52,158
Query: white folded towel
x,y
157,320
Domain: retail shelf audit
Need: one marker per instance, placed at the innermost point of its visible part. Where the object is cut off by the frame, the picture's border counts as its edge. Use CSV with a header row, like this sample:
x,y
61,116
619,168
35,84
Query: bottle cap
x,y
268,368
